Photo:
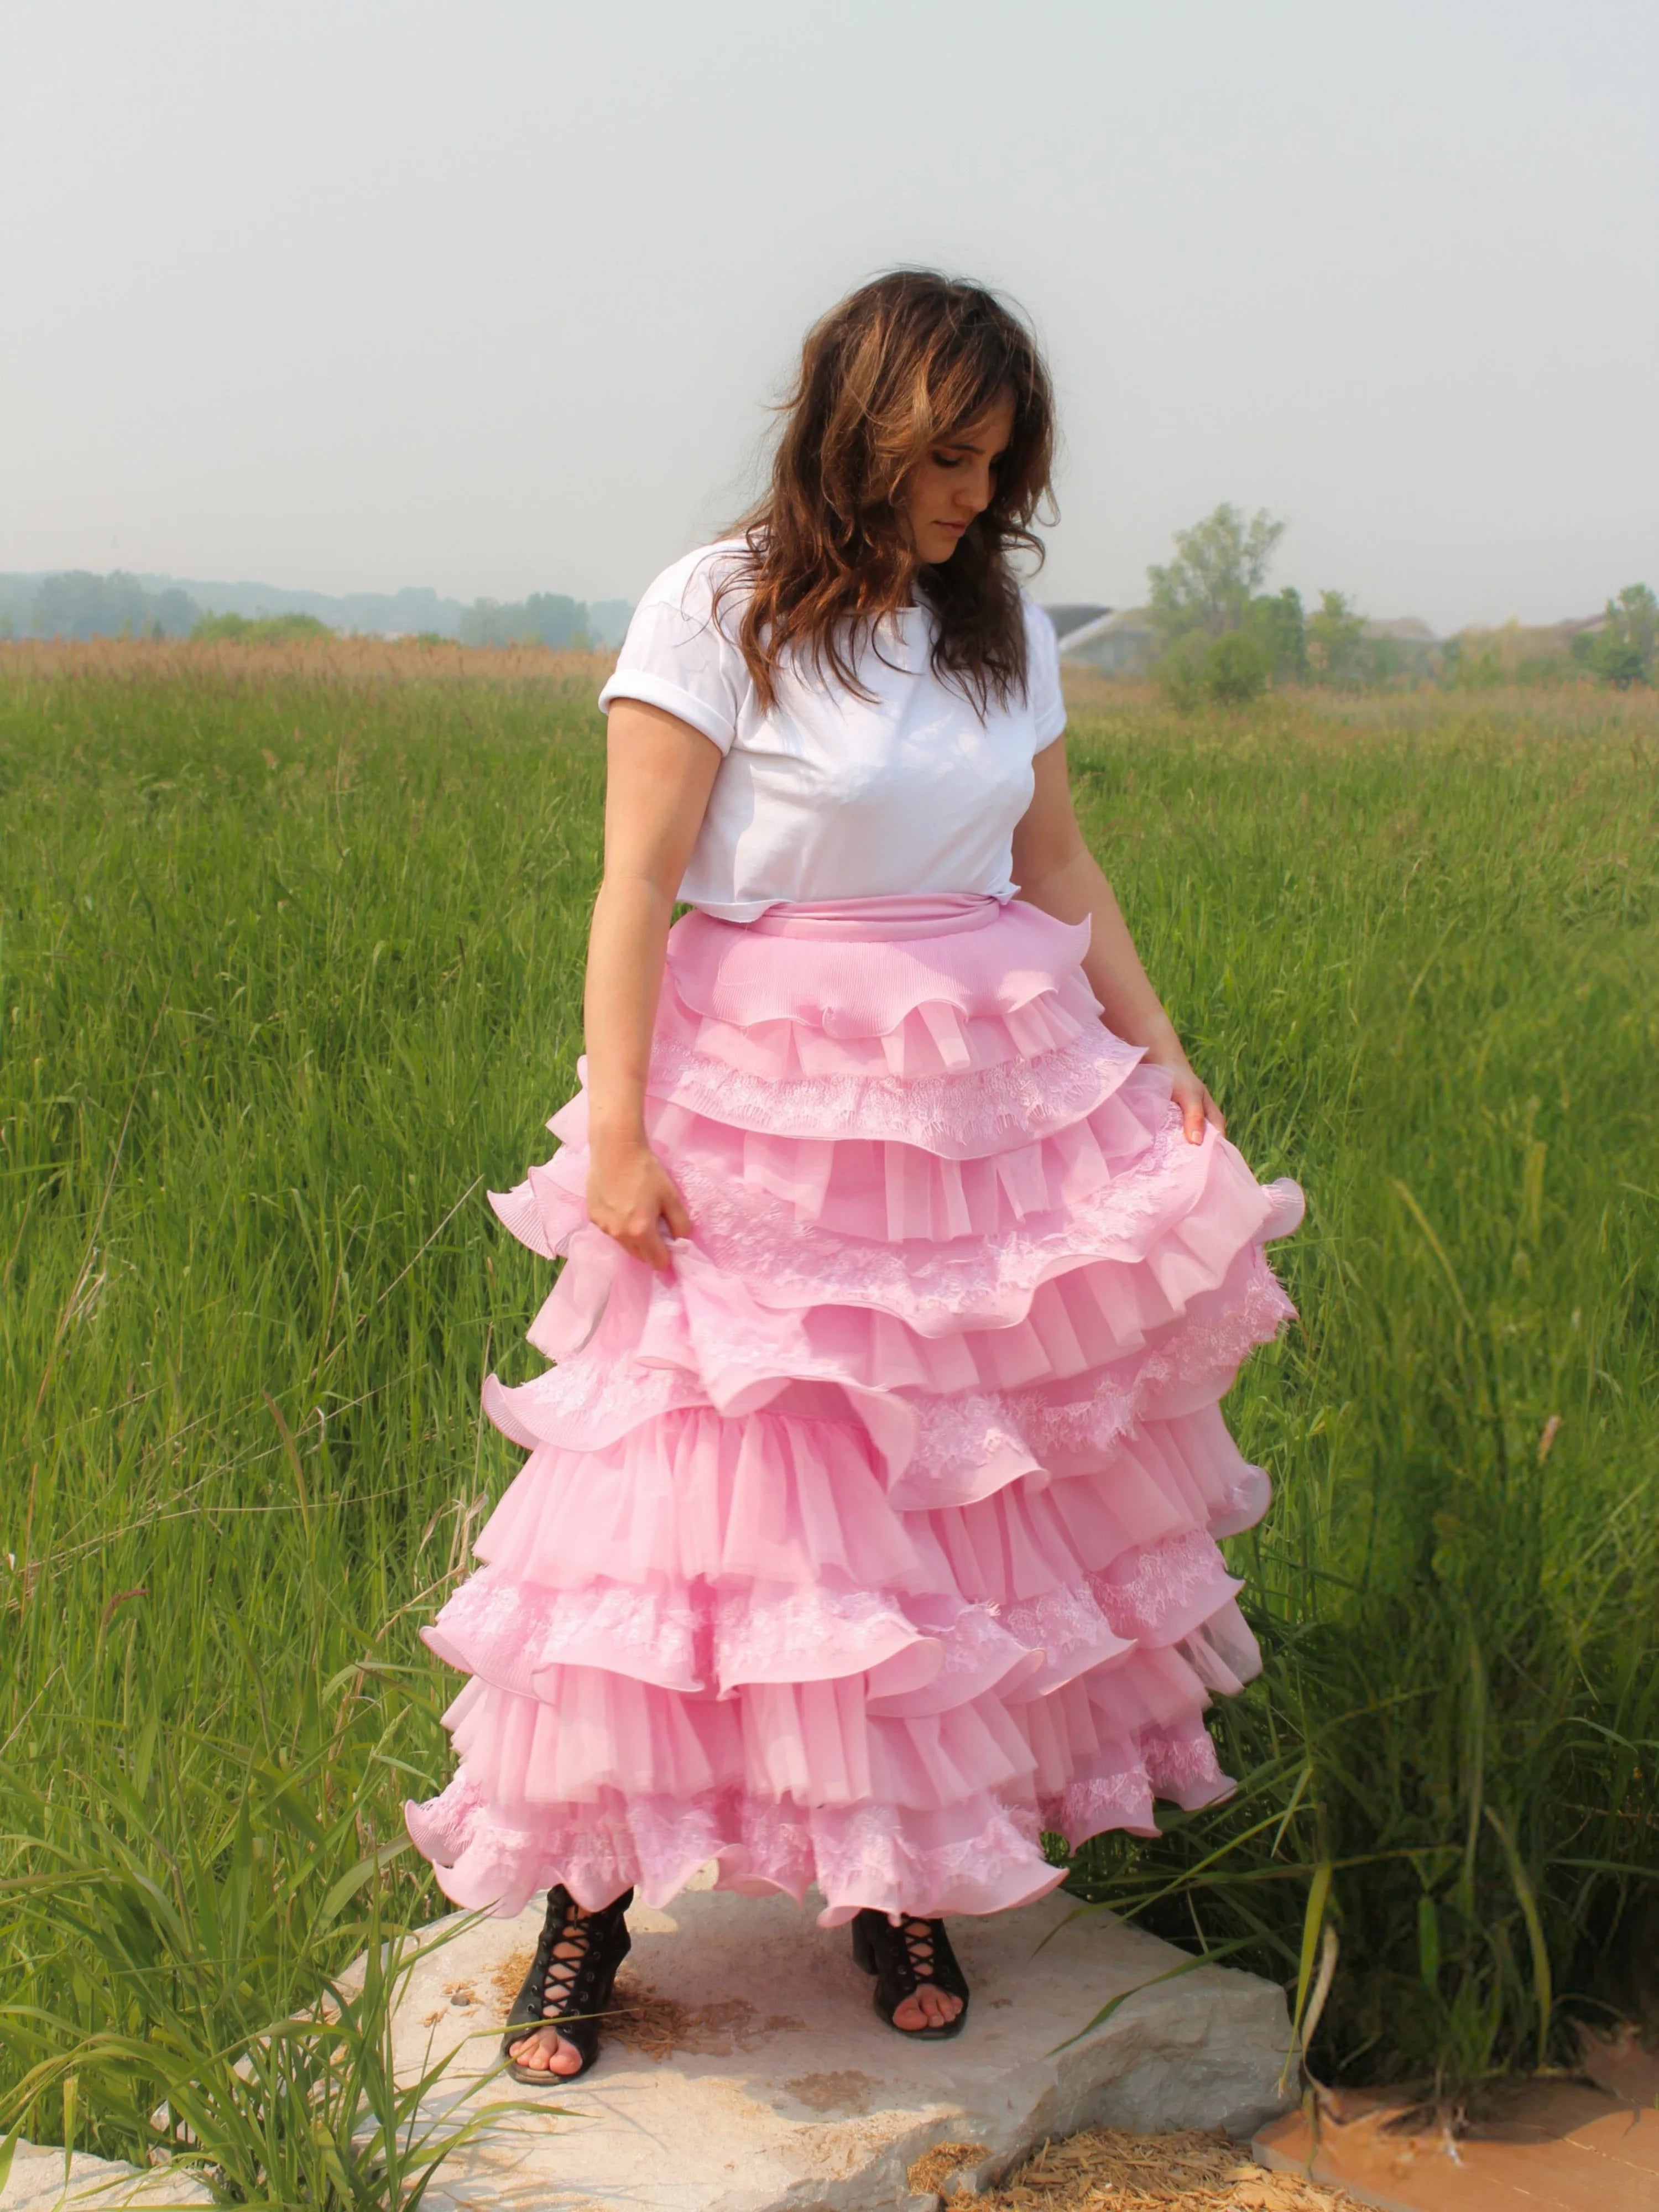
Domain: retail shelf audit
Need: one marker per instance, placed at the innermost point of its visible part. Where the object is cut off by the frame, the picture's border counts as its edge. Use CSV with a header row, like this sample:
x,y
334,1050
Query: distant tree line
x,y
544,618
1220,635
79,604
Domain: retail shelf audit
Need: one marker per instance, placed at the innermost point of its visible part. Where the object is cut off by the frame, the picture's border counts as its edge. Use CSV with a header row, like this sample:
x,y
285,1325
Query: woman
x,y
868,1528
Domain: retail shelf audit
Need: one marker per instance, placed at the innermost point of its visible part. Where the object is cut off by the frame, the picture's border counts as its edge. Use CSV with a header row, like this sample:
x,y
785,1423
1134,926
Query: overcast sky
x,y
352,294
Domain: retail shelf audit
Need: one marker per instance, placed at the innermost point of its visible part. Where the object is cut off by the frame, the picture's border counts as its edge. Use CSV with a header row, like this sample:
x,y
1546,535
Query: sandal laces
x,y
562,1977
918,1936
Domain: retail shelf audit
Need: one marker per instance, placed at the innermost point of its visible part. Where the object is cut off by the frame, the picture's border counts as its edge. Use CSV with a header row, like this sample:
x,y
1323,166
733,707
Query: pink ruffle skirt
x,y
881,1537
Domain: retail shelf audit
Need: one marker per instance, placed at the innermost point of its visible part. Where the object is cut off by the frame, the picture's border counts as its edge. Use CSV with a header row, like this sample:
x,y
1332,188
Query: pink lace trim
x,y
805,1634
971,1113
491,1615
1182,1765
1142,1597
1090,1808
974,1429
1070,1628
788,1262
1195,1351
508,1632
872,1855
589,1400
981,1654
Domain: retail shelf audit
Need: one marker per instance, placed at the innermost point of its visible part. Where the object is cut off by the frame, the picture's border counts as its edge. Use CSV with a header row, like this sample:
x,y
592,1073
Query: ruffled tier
x,y
883,1532
982,1857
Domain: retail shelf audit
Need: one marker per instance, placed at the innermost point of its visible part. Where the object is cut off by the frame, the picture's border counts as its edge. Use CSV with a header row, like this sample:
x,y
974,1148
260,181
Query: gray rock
x,y
749,2072
36,2184
754,2073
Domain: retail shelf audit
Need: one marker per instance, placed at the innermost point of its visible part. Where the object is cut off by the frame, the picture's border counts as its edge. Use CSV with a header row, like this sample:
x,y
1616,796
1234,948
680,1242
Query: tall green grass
x,y
290,970
1414,948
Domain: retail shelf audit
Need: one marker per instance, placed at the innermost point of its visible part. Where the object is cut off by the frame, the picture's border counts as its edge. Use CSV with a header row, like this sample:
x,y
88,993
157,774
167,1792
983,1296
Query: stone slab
x,y
748,2071
753,2072
37,2183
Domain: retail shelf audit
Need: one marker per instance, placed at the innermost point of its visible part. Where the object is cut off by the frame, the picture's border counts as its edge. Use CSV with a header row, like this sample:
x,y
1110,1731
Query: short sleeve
x,y
1047,700
679,653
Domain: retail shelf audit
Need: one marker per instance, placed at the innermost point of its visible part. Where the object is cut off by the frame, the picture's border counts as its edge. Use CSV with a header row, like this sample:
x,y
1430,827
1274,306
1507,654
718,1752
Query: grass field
x,y
290,955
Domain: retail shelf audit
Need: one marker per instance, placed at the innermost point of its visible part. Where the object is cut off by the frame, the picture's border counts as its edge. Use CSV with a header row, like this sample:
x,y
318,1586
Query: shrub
x,y
1179,674
261,629
1236,668
1229,671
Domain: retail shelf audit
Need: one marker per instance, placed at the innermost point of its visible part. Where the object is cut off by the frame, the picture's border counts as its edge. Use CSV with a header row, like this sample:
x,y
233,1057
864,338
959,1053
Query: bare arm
x,y
659,774
1055,871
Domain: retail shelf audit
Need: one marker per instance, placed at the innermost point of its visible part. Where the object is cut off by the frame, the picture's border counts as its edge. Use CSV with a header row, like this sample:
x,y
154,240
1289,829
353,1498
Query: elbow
x,y
629,891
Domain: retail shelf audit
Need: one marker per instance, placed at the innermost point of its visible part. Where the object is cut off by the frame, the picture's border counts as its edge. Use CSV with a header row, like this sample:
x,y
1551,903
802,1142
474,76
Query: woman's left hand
x,y
1189,1094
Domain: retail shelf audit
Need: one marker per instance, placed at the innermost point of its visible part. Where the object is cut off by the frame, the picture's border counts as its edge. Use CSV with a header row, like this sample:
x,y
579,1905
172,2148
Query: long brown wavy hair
x,y
903,363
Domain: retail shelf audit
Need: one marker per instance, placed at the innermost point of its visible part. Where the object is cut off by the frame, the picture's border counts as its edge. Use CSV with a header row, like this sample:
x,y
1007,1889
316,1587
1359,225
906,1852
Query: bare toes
x,y
546,2053
928,2008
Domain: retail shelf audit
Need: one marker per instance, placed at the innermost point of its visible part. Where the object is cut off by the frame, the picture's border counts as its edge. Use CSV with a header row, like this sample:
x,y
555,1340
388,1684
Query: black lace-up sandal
x,y
902,1959
568,1993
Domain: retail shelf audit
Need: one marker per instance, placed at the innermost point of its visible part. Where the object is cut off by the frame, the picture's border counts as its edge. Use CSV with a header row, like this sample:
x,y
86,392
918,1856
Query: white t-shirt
x,y
827,795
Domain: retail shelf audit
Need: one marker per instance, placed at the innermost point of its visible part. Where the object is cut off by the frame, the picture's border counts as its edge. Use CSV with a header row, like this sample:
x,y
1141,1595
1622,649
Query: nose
x,y
978,487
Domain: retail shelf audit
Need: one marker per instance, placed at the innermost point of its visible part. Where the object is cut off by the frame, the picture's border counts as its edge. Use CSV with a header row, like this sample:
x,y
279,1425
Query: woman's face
x,y
954,481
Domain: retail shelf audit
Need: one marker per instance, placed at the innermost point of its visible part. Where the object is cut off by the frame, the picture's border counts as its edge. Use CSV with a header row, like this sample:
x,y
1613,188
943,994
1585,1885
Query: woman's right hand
x,y
630,1195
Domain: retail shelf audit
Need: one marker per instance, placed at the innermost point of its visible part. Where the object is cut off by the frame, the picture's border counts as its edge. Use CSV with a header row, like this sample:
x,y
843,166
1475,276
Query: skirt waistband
x,y
927,914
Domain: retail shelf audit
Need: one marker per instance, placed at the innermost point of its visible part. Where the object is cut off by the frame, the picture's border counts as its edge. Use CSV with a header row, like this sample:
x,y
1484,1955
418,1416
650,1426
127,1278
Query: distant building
x,y
1116,642
1066,619
1404,629
1513,645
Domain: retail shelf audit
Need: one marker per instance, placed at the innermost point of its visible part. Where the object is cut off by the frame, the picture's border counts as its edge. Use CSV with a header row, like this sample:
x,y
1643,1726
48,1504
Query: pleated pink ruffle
x,y
882,1535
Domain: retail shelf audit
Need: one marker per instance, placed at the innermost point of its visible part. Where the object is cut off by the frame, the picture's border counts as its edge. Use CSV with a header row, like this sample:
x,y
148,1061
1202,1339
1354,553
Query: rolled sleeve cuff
x,y
658,691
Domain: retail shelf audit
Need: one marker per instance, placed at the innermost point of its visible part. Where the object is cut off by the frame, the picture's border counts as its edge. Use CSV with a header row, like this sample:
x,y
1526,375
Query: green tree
x,y
1622,652
557,621
1275,619
1219,564
1336,643
176,613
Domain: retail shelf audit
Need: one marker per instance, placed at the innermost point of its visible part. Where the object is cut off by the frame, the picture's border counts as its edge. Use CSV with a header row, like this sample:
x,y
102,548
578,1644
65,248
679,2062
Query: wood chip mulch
x,y
1106,2170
